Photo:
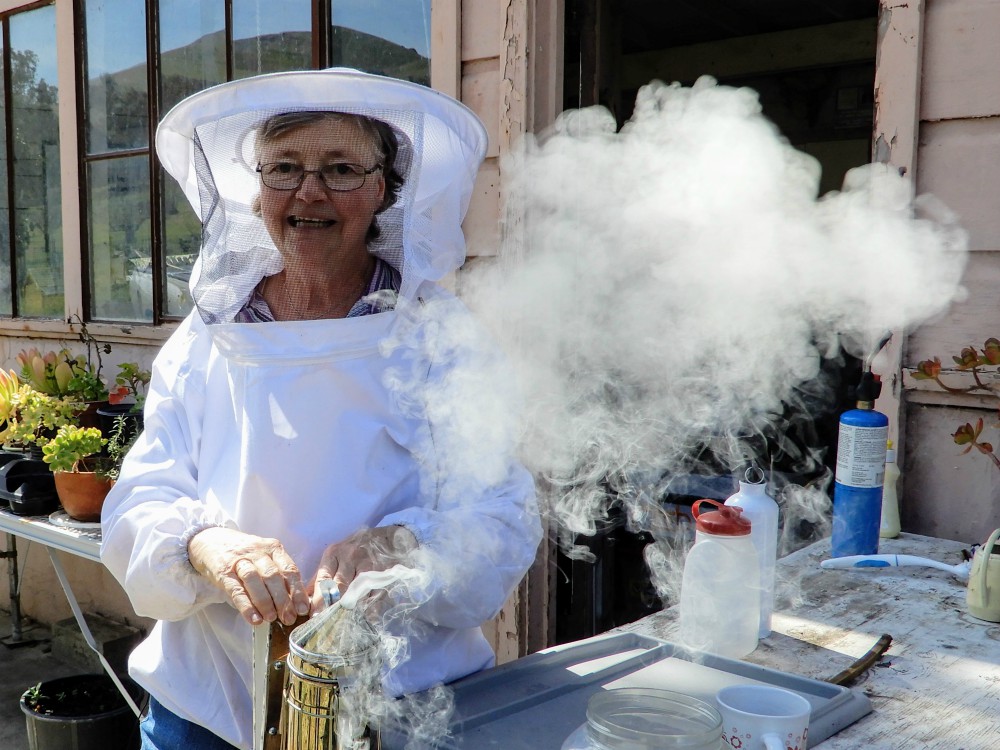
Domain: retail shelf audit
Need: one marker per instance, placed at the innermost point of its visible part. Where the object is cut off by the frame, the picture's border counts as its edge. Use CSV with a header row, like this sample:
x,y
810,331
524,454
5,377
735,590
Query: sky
x,y
36,31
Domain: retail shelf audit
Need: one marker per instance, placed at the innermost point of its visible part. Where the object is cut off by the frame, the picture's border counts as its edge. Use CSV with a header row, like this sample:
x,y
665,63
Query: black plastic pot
x,y
108,415
7,456
27,485
105,723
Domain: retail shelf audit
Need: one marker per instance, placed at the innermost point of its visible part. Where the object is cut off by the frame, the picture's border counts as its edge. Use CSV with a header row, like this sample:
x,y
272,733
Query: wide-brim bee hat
x,y
207,143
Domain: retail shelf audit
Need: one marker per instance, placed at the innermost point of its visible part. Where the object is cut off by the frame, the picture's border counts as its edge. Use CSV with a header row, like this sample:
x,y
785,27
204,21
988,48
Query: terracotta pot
x,y
82,493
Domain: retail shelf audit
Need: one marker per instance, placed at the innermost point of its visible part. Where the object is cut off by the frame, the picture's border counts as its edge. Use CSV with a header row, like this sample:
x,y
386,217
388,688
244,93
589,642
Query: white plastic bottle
x,y
889,527
720,591
762,512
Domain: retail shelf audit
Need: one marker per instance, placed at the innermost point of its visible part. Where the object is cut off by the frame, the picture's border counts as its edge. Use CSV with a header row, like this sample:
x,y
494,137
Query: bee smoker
x,y
312,684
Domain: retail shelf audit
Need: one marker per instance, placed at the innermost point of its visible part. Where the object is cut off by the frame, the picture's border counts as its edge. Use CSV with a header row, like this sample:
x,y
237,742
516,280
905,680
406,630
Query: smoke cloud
x,y
677,287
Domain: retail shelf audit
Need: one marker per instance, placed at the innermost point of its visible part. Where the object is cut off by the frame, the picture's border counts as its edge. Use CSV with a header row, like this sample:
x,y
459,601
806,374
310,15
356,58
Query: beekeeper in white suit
x,y
327,408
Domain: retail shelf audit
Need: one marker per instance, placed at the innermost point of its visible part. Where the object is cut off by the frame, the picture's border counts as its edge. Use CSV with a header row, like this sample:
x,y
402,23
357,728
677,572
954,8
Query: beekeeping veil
x,y
207,143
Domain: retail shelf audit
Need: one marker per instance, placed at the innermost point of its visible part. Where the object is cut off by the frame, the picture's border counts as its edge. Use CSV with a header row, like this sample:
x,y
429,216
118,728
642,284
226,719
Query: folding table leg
x,y
16,637
85,629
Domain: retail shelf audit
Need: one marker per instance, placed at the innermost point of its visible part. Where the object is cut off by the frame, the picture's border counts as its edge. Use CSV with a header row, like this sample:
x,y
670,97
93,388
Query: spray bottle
x,y
857,491
762,511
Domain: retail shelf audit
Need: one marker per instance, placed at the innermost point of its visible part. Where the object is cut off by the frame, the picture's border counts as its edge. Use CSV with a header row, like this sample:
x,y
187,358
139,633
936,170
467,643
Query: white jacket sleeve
x,y
154,509
474,553
479,535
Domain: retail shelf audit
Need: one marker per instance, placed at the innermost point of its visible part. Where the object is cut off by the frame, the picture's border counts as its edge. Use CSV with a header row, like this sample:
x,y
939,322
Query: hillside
x,y
193,67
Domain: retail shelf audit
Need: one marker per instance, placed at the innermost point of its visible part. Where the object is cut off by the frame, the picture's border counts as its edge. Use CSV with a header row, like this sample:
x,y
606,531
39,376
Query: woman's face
x,y
313,222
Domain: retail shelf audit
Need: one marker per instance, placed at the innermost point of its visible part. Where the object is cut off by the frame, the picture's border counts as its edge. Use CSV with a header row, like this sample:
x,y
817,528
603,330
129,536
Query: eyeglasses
x,y
339,176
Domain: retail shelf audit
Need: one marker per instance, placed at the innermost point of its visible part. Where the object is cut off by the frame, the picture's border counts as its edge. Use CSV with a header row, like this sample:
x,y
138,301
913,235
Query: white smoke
x,y
678,284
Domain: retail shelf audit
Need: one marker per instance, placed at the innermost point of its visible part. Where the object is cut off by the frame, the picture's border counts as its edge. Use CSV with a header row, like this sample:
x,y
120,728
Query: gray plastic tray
x,y
538,701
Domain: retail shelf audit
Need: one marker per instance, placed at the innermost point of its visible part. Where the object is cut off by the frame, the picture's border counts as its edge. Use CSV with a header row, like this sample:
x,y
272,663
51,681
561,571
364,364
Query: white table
x,y
938,686
82,543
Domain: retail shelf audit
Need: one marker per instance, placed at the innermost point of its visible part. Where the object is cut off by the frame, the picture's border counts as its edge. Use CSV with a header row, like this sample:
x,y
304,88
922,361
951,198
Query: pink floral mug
x,y
763,717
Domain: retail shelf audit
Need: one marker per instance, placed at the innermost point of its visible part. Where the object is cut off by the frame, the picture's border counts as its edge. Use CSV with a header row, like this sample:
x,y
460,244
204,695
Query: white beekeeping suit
x,y
306,431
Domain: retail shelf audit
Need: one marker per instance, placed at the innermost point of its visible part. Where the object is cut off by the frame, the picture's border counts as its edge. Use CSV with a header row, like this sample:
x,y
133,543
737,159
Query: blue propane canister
x,y
857,491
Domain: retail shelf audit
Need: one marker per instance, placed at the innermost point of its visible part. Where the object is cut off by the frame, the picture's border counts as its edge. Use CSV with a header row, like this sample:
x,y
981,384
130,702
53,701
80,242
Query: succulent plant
x,y
33,417
72,446
971,360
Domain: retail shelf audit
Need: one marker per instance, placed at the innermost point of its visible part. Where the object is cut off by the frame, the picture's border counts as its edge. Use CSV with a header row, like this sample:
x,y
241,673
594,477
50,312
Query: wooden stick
x,y
863,664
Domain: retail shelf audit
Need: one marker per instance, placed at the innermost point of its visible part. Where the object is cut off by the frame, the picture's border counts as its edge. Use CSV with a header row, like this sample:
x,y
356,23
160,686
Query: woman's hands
x,y
260,579
264,584
369,549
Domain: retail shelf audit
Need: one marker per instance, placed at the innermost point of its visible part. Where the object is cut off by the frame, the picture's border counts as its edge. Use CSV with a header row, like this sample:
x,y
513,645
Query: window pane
x,y
192,48
117,115
121,277
389,37
37,192
181,242
269,37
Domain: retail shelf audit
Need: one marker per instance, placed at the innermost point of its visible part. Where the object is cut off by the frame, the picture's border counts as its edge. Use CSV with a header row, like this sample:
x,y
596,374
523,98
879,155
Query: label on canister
x,y
861,455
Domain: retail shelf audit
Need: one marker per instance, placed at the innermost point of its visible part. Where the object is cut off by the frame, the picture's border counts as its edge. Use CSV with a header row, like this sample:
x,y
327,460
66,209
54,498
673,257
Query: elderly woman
x,y
316,416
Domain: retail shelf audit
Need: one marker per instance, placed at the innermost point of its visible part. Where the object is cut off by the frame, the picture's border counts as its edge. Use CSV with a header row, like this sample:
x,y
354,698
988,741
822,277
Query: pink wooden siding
x,y
945,493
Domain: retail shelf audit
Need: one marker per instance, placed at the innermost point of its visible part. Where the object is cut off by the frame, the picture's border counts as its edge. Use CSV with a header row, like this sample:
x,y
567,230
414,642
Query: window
x,y
389,37
141,235
31,256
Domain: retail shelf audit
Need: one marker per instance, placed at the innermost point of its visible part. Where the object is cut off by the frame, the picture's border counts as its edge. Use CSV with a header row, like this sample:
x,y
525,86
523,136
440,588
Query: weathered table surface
x,y
937,687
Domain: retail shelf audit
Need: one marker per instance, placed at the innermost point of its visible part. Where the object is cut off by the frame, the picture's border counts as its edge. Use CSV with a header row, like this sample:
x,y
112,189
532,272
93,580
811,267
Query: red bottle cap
x,y
726,520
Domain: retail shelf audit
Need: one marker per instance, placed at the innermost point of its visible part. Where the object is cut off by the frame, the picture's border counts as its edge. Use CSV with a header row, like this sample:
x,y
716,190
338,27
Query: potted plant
x,y
121,438
65,375
125,400
44,372
62,373
82,711
25,485
33,418
74,456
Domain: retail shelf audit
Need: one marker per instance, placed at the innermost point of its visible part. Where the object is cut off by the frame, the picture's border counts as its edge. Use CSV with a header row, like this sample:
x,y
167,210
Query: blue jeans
x,y
161,729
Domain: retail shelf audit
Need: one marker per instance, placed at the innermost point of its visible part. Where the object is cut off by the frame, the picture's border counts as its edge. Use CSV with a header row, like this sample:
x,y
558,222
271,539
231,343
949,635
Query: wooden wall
x,y
510,75
945,493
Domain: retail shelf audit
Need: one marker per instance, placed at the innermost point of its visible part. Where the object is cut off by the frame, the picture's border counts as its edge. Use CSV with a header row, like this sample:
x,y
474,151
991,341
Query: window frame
x,y
9,10
445,77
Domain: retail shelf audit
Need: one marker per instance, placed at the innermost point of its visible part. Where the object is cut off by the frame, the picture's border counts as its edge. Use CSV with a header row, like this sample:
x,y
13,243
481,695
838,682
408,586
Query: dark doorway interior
x,y
813,64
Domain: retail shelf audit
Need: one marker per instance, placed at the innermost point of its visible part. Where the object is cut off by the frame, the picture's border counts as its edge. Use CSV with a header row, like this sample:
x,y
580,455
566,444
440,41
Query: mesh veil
x,y
207,143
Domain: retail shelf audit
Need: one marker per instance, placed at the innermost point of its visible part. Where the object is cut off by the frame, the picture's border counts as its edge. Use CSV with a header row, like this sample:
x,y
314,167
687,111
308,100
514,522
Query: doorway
x,y
813,66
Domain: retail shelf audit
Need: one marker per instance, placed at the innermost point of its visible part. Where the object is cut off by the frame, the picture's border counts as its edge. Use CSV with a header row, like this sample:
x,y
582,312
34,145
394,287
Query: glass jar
x,y
647,719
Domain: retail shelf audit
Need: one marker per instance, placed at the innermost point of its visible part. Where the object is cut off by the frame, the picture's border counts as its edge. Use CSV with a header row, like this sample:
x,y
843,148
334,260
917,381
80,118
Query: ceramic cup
x,y
762,717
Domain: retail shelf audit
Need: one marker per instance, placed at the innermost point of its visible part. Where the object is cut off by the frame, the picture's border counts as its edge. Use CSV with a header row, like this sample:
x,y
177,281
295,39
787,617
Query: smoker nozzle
x,y
869,388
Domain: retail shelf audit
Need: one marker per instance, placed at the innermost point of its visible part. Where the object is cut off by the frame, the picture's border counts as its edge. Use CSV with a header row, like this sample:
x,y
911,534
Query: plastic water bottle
x,y
762,511
857,491
720,591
